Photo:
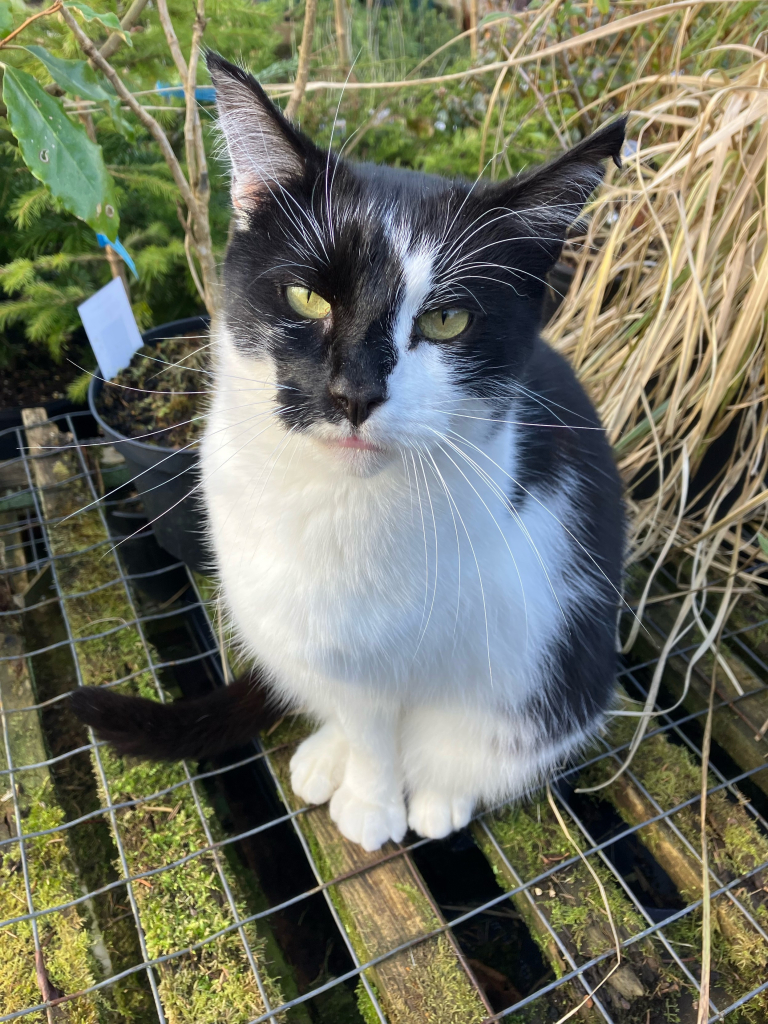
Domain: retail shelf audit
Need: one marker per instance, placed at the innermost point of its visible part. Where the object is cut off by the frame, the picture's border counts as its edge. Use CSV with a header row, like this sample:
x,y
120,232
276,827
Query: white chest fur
x,y
417,581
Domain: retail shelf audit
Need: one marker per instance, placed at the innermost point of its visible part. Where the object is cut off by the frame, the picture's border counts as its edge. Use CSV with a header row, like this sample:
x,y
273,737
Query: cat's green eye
x,y
442,324
307,303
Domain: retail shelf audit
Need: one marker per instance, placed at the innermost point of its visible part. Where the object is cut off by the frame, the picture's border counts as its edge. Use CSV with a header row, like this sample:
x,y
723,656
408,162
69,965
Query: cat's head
x,y
382,301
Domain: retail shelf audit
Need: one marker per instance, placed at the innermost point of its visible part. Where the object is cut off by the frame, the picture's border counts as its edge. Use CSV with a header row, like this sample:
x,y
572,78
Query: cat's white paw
x,y
317,767
367,822
435,815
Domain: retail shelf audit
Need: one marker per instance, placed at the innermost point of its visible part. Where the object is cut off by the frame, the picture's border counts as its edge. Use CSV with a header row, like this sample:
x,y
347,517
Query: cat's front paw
x,y
435,815
368,822
317,767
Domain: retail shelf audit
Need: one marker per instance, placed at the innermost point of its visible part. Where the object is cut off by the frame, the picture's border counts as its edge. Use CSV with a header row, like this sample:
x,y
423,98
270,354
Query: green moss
x,y
570,899
128,1001
532,839
64,937
671,776
446,996
366,1007
186,904
422,904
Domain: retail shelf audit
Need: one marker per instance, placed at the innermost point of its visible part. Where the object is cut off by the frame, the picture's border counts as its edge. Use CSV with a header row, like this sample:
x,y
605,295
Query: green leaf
x,y
6,18
604,6
763,542
74,76
494,16
109,21
78,78
122,124
279,70
59,153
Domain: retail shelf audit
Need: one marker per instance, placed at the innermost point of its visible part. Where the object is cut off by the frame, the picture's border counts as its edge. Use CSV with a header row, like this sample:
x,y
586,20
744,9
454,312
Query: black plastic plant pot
x,y
166,478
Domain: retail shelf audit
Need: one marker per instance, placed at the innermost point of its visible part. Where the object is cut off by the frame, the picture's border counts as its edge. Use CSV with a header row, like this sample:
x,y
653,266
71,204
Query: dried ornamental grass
x,y
665,324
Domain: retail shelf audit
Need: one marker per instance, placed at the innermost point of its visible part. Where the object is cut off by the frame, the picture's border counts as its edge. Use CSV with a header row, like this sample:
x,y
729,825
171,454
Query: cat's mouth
x,y
354,442
356,453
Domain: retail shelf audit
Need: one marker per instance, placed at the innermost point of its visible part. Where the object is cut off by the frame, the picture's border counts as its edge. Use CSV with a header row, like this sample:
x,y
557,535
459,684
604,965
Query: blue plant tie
x,y
121,251
203,93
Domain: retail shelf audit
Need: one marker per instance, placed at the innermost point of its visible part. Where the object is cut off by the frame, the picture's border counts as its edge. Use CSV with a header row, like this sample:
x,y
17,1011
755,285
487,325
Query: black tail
x,y
228,717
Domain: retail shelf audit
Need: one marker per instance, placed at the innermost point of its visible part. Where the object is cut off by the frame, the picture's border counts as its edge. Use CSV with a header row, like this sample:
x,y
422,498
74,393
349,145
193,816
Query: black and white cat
x,y
415,514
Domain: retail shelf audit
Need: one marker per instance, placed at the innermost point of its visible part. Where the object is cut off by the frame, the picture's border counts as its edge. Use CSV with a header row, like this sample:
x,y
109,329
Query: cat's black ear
x,y
549,199
265,150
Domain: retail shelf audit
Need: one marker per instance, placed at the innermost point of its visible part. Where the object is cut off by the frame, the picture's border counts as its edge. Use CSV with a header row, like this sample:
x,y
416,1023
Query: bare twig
x,y
199,218
172,40
305,53
197,167
48,991
342,34
197,164
473,32
157,133
53,9
115,39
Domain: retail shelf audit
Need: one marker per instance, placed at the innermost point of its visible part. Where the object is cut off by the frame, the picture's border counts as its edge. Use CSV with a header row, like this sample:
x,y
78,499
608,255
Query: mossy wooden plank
x,y
750,615
671,775
382,906
180,906
64,937
734,727
529,838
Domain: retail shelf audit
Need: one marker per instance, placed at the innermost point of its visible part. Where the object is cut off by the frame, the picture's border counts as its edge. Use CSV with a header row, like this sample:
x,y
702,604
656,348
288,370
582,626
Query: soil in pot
x,y
162,393
29,374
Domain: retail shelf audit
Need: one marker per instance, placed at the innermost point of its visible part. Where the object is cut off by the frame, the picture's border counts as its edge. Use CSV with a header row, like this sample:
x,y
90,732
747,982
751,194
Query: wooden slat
x,y
525,841
670,775
65,941
381,906
185,904
734,727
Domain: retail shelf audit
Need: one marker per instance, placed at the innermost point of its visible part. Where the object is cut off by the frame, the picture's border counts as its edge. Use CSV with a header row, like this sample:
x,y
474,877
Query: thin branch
x,y
172,40
474,37
197,165
53,9
612,28
157,133
196,206
342,34
184,221
192,117
305,52
115,39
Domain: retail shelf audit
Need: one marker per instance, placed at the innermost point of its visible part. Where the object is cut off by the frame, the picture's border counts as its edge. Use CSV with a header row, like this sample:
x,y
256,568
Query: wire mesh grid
x,y
35,579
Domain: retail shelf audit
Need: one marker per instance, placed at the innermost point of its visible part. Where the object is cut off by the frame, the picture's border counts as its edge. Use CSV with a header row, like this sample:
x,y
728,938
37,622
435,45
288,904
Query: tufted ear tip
x,y
264,149
548,199
607,141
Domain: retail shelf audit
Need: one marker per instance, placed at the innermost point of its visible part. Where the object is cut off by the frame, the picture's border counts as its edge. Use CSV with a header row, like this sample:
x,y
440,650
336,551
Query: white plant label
x,y
111,328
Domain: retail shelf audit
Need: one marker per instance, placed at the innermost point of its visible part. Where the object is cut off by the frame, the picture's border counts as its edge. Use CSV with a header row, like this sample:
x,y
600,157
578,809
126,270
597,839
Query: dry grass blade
x,y
667,323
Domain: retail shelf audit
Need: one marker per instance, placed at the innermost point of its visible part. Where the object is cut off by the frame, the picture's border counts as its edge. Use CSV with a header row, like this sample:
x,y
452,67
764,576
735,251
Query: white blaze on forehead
x,y
417,262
